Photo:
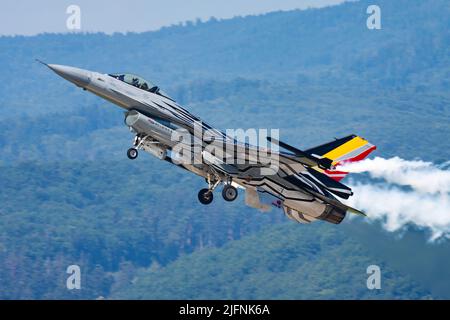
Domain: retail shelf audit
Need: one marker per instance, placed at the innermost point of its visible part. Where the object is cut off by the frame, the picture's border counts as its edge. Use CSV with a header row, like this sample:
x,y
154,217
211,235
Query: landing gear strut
x,y
205,196
229,193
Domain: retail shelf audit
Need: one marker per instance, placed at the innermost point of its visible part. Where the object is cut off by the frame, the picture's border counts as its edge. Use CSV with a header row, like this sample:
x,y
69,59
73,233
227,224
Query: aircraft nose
x,y
77,76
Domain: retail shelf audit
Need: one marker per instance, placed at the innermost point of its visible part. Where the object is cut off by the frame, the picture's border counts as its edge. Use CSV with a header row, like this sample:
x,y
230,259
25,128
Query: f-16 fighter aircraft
x,y
304,183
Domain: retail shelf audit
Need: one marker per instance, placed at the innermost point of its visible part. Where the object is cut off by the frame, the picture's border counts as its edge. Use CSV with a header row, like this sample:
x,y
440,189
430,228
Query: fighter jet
x,y
304,183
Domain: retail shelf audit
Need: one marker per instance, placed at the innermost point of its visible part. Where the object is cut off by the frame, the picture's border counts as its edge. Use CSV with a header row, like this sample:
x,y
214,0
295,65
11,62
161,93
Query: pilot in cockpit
x,y
135,82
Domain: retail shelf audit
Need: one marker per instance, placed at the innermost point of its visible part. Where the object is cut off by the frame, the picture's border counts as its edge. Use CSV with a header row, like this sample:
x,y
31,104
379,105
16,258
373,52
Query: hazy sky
x,y
29,17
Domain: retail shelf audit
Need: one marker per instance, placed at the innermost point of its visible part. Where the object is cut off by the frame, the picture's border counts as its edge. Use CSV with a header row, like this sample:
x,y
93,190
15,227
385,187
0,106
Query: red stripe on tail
x,y
339,175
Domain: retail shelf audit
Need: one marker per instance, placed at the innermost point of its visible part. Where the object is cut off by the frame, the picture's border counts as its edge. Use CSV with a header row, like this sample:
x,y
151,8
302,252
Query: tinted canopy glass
x,y
136,81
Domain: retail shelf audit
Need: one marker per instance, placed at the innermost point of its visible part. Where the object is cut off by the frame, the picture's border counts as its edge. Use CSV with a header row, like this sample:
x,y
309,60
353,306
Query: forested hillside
x,y
106,217
69,195
283,262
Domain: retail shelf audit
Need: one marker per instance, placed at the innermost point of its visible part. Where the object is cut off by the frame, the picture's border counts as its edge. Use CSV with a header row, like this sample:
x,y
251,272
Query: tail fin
x,y
348,149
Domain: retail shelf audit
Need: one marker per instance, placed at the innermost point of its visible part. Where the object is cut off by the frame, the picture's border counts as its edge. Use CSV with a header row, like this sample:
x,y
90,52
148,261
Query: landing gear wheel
x,y
229,193
132,153
205,196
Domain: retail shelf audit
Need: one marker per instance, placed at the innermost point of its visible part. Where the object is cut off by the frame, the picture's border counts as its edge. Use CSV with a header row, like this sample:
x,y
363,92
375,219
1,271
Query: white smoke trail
x,y
421,176
426,204
398,208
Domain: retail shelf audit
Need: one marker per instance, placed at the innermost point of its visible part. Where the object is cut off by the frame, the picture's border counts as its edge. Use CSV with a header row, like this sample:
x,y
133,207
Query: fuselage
x,y
153,113
163,113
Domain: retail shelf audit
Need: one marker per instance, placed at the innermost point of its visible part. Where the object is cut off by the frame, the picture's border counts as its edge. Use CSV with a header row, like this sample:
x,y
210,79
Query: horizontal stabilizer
x,y
356,211
330,184
337,203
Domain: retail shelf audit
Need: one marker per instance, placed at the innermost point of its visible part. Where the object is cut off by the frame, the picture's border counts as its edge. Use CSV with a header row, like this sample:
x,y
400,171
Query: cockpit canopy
x,y
137,82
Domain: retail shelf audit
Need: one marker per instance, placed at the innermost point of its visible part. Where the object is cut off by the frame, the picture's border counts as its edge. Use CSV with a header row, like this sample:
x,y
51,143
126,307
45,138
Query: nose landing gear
x,y
132,153
139,140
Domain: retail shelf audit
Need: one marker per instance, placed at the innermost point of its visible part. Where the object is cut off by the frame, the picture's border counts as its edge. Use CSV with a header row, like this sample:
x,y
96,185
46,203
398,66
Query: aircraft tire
x,y
205,196
132,153
229,193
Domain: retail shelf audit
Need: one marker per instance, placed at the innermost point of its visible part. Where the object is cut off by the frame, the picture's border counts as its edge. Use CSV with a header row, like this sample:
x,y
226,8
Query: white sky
x,y
30,17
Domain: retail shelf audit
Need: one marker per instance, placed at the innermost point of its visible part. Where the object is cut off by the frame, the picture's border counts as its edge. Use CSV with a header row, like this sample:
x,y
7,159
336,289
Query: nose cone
x,y
77,76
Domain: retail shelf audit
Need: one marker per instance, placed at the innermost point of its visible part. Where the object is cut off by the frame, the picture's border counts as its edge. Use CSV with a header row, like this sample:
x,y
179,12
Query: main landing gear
x,y
206,196
229,193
